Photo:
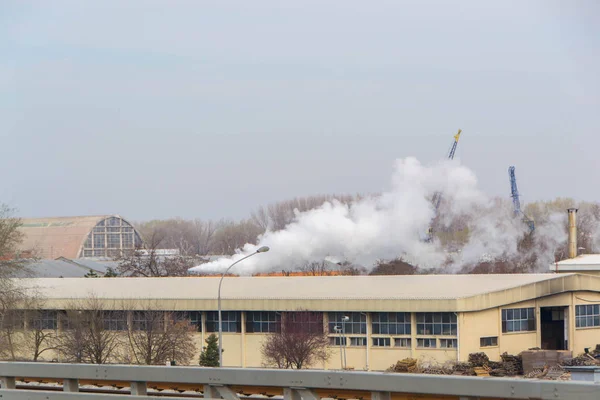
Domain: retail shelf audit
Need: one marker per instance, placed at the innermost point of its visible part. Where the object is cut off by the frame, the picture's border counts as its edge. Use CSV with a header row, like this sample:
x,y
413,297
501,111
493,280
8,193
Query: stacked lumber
x,y
463,369
513,365
482,371
580,361
478,359
406,365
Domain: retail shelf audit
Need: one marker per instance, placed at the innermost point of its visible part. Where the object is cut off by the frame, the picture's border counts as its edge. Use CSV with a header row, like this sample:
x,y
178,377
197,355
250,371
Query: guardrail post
x,y
139,388
71,385
8,382
381,396
219,391
299,394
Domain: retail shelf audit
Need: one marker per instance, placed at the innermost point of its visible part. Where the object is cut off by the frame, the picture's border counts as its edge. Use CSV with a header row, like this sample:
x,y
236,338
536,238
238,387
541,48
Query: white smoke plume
x,y
394,224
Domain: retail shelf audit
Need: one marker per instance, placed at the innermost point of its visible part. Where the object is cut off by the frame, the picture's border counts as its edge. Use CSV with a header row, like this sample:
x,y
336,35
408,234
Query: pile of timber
x,y
406,365
478,359
513,365
580,361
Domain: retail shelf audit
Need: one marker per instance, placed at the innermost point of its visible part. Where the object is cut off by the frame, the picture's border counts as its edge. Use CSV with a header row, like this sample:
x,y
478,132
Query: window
x,y
127,240
114,240
46,319
148,320
115,321
436,324
193,317
263,321
358,341
382,342
99,241
587,315
99,252
488,341
391,323
311,322
402,342
88,241
113,221
448,343
357,323
230,321
429,342
518,320
335,341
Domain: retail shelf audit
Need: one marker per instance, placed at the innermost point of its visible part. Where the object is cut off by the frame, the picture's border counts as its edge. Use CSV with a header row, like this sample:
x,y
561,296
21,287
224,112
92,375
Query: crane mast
x,y
514,191
437,196
514,194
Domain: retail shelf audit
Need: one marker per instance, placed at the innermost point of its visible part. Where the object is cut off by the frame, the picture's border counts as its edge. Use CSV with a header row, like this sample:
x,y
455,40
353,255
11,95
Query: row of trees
x,y
86,333
90,334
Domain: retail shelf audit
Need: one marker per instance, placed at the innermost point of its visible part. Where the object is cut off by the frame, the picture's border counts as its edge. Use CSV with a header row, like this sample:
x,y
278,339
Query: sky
x,y
157,109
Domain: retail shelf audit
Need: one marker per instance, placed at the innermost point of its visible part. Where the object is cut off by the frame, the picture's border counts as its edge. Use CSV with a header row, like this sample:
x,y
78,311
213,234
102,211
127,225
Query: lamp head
x,y
263,249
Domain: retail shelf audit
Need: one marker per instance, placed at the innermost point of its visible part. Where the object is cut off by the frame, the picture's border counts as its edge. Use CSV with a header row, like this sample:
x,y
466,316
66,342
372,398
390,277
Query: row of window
x,y
354,323
398,342
587,315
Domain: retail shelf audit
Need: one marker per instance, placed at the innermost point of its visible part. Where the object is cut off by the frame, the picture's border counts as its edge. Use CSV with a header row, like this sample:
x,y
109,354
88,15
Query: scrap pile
x,y
555,372
406,365
478,364
586,359
513,365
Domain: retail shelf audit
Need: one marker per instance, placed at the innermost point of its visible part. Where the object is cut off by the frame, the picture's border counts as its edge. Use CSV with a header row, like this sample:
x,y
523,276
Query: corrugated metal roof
x,y
57,236
55,269
583,262
401,287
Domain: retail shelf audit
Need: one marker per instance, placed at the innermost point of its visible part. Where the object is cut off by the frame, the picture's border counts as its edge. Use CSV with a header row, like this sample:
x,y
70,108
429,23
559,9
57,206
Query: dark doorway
x,y
553,327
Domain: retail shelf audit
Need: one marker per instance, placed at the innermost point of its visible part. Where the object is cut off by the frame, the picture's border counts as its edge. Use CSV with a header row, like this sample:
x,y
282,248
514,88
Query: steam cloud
x,y
394,224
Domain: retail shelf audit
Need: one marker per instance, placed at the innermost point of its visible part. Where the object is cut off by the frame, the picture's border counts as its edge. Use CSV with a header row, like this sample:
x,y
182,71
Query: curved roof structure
x,y
75,237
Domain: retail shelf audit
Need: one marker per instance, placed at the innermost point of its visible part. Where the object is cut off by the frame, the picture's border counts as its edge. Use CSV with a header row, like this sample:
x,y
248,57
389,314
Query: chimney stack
x,y
572,232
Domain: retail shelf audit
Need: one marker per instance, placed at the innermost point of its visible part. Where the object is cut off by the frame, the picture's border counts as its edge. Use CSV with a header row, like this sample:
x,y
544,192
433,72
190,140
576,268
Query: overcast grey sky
x,y
211,108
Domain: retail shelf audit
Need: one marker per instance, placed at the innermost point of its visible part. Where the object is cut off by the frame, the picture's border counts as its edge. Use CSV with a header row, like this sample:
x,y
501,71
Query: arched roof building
x,y
77,237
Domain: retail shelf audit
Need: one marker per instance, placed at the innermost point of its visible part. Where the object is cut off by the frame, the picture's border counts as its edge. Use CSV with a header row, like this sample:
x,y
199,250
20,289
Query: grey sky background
x,y
211,108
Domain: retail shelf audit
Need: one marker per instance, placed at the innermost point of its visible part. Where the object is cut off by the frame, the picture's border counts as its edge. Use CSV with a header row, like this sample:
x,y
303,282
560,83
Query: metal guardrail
x,y
225,383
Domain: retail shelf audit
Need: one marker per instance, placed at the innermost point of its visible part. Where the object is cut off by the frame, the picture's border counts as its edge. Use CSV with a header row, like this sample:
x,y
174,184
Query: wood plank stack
x,y
513,365
406,365
478,359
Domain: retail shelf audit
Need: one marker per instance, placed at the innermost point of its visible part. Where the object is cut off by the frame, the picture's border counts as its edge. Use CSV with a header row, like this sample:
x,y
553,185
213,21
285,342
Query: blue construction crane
x,y
514,193
437,196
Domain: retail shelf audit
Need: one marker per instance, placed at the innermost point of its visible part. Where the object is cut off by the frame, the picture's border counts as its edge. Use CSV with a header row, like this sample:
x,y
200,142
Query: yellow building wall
x,y
585,337
475,325
381,358
232,350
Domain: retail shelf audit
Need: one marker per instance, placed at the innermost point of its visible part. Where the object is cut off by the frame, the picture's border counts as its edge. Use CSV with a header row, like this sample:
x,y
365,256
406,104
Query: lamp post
x,y
345,319
263,249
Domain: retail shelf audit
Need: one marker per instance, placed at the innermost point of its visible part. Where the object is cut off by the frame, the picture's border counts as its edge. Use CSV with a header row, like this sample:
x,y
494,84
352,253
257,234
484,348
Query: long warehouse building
x,y
384,318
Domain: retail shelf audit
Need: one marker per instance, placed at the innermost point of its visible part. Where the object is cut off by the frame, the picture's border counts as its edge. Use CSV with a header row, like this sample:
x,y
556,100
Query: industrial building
x,y
382,318
98,236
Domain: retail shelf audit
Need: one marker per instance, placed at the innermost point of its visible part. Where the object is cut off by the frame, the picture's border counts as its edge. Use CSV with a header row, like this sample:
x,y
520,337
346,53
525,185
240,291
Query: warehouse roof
x,y
414,292
56,269
590,262
57,236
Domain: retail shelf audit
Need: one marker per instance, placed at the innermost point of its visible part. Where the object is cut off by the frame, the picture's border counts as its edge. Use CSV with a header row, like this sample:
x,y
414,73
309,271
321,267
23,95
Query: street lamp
x,y
345,319
262,249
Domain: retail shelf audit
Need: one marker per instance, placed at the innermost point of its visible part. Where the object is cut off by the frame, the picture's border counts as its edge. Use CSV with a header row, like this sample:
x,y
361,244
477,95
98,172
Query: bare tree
x,y
301,341
396,266
234,235
317,268
158,336
148,263
39,336
91,334
11,293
